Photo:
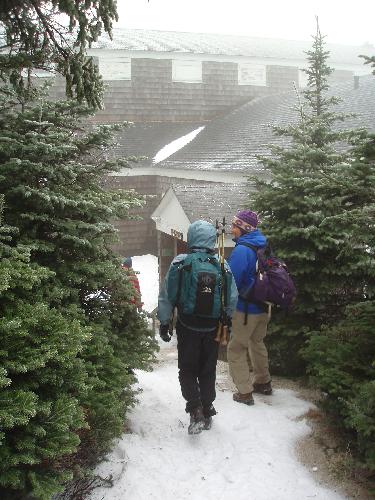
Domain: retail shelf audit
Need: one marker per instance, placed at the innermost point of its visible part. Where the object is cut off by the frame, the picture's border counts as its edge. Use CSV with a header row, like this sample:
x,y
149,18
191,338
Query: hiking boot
x,y
265,389
208,413
196,421
246,399
207,423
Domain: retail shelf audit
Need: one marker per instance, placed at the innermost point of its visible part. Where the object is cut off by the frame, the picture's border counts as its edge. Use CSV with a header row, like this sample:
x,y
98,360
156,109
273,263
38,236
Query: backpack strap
x,y
253,247
249,245
267,247
216,263
181,269
177,266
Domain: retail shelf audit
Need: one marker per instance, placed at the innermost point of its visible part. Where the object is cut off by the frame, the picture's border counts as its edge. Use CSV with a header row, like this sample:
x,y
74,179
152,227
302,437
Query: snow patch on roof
x,y
175,145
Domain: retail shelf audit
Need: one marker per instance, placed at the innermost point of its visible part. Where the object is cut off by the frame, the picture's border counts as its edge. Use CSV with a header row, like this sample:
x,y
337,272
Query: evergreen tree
x,y
53,35
341,358
41,375
371,61
295,205
70,335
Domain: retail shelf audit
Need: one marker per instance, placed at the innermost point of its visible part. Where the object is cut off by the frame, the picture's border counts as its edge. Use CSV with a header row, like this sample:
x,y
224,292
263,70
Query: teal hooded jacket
x,y
201,237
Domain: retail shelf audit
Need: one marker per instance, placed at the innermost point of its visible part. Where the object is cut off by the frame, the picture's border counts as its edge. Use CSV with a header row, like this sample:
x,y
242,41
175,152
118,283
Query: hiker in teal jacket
x,y
246,350
196,345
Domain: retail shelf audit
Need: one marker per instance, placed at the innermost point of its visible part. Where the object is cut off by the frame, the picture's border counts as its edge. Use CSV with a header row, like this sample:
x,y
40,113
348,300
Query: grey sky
x,y
342,21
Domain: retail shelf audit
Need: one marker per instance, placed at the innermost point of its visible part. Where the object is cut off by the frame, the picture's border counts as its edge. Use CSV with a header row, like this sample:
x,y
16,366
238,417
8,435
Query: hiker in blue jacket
x,y
196,344
246,349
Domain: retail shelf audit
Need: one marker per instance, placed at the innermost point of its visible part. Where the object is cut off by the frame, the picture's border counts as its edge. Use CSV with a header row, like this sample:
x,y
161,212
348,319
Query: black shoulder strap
x,y
180,271
249,245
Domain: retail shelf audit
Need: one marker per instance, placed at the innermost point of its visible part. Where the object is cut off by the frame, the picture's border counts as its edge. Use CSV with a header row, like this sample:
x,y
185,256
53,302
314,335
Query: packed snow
x,y
146,267
248,454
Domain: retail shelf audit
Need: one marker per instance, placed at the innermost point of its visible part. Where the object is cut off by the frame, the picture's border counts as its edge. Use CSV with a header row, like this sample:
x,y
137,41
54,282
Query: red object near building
x,y
127,266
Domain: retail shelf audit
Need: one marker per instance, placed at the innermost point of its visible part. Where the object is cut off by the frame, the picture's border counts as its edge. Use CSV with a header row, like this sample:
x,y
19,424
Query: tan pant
x,y
247,341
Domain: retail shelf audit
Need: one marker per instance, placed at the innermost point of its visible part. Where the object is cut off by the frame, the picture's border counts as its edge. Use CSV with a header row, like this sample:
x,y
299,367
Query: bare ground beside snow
x,y
324,449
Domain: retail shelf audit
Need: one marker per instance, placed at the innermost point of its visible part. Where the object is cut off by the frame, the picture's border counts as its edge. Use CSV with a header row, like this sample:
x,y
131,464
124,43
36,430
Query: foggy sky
x,y
349,22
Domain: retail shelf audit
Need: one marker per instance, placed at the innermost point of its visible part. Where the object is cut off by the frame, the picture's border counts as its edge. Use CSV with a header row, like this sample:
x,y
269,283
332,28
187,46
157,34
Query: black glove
x,y
164,333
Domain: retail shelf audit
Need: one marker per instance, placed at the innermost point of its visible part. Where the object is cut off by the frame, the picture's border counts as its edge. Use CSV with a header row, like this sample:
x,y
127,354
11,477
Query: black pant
x,y
197,358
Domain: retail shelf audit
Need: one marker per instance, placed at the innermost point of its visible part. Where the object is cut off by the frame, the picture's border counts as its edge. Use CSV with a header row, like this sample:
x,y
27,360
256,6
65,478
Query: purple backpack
x,y
273,283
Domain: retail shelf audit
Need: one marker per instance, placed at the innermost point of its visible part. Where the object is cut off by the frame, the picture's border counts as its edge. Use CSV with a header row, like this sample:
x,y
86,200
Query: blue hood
x,y
255,238
201,234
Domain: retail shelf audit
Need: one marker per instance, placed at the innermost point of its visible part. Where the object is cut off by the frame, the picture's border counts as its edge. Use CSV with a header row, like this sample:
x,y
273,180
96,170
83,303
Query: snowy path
x,y
248,453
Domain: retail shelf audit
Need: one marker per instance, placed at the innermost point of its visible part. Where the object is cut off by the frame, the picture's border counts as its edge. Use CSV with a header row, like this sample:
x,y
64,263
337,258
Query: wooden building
x,y
172,76
231,89
225,151
184,204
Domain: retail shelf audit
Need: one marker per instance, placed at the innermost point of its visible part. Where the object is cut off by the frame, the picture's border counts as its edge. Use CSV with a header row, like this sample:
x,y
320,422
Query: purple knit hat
x,y
246,220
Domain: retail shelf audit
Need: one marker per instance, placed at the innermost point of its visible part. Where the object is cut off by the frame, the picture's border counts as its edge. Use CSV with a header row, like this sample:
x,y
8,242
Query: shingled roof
x,y
219,44
233,142
211,201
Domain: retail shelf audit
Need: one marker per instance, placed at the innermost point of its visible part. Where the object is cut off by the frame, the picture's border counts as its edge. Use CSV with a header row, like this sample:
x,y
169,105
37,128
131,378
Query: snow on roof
x,y
219,44
175,145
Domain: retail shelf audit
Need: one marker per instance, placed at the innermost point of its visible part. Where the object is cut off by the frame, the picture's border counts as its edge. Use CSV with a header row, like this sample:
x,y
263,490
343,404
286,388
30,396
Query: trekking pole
x,y
218,237
218,334
224,327
222,333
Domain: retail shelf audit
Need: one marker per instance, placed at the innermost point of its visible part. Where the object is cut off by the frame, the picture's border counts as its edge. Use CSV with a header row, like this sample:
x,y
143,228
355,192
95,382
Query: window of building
x,y
252,74
115,68
186,71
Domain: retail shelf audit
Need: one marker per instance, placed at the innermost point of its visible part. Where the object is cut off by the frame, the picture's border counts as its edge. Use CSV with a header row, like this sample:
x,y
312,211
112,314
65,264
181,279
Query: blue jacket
x,y
201,237
242,262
